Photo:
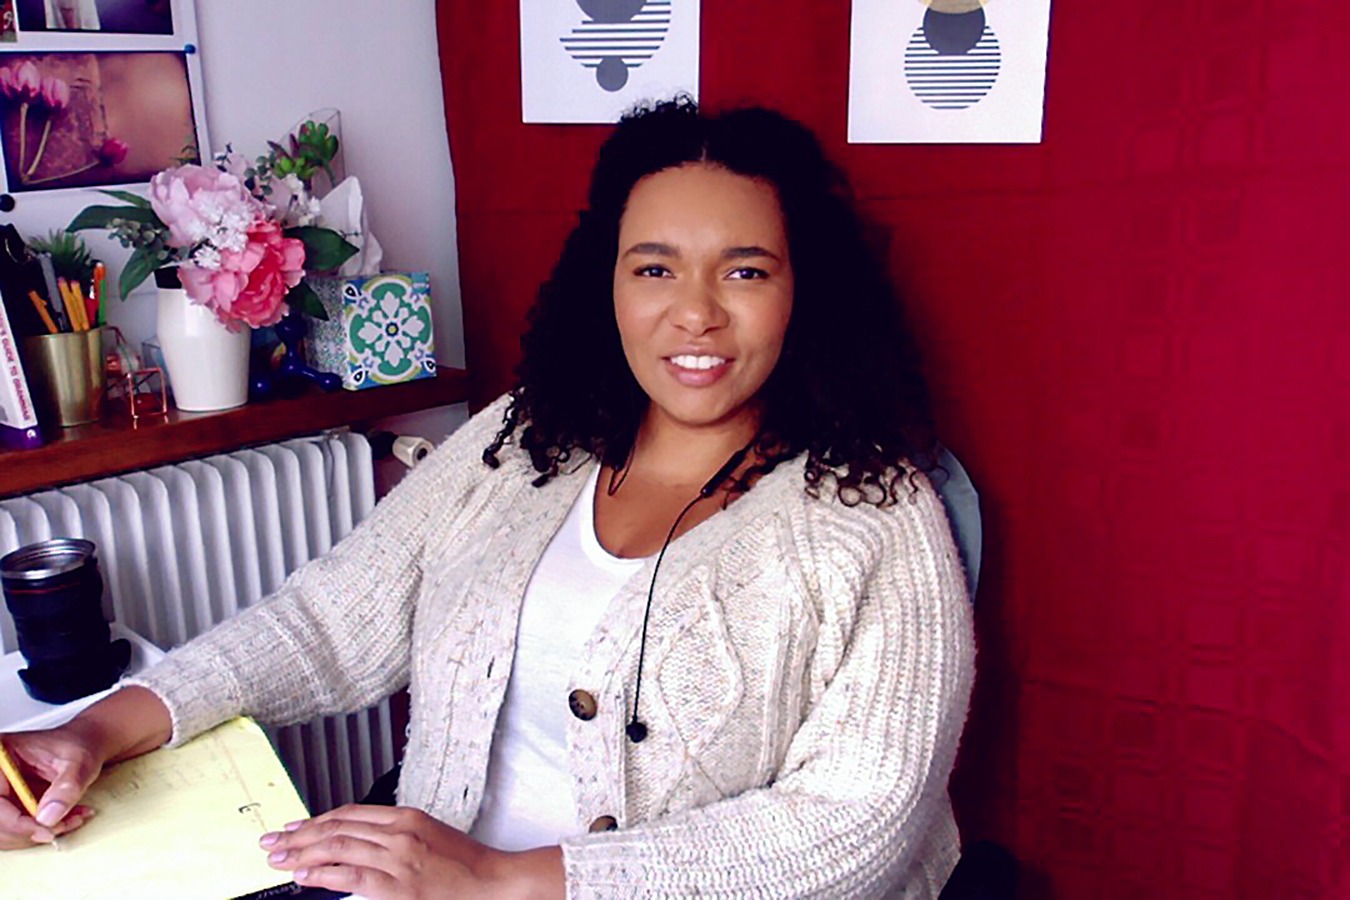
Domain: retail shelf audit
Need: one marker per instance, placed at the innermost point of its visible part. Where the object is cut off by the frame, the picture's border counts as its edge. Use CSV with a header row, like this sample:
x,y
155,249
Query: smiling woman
x,y
702,295
680,614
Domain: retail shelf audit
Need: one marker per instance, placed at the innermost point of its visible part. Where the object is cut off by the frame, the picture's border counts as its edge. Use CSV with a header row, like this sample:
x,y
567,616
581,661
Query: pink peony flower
x,y
55,93
199,204
250,284
113,151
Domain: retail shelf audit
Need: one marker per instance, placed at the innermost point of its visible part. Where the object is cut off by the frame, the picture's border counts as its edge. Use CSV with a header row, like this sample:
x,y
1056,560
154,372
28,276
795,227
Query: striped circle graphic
x,y
952,81
612,47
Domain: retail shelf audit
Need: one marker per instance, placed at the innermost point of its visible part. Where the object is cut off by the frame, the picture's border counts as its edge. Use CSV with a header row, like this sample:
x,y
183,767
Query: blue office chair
x,y
987,871
962,503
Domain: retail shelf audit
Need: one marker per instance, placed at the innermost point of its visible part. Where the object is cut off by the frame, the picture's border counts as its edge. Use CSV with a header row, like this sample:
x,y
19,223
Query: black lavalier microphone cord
x,y
636,729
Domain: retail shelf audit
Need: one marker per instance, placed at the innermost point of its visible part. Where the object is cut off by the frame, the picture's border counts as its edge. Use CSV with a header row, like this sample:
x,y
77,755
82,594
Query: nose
x,y
698,309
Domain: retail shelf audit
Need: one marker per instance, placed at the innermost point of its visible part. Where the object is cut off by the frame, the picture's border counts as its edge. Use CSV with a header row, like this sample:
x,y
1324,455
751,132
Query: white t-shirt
x,y
528,798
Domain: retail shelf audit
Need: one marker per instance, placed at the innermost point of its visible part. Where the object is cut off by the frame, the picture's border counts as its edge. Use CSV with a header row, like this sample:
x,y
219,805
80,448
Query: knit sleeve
x,y
865,777
335,637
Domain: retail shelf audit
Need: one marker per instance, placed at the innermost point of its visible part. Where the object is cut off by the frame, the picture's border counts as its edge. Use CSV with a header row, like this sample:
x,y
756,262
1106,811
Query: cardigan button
x,y
582,704
605,823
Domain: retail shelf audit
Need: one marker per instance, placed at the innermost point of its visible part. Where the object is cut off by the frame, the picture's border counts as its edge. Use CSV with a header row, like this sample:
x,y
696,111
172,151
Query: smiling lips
x,y
697,370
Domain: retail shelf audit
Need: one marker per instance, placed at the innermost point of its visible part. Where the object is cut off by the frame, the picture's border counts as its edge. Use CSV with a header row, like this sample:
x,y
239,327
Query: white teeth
x,y
697,362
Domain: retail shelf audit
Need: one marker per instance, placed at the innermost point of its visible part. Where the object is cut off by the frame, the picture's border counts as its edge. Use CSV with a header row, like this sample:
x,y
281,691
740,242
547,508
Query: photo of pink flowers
x,y
72,120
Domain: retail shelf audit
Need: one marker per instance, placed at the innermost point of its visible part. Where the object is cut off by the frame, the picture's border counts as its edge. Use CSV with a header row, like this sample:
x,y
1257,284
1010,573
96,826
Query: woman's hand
x,y
396,853
61,763
58,767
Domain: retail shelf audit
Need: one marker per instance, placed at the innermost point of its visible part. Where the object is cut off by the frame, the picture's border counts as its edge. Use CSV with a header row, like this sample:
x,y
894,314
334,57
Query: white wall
x,y
267,63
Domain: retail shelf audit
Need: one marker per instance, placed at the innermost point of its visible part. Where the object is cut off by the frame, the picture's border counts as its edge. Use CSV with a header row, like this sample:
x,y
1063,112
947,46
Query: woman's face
x,y
702,293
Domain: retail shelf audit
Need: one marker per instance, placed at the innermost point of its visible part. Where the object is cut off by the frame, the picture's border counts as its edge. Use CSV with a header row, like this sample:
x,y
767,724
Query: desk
x,y
20,712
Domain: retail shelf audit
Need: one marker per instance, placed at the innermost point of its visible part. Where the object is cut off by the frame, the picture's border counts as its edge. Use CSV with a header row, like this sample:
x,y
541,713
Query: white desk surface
x,y
20,712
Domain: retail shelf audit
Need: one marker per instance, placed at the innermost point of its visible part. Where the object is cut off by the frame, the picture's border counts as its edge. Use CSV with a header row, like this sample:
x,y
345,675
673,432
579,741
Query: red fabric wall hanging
x,y
1138,334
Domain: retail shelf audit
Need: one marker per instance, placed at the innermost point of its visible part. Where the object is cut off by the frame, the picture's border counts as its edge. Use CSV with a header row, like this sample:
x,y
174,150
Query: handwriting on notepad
x,y
178,823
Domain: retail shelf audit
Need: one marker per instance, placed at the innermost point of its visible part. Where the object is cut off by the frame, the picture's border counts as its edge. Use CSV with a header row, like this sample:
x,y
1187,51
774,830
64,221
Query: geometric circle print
x,y
953,59
618,35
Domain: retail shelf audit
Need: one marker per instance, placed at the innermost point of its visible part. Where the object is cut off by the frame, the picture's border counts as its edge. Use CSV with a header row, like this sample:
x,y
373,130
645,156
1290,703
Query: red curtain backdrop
x,y
1138,333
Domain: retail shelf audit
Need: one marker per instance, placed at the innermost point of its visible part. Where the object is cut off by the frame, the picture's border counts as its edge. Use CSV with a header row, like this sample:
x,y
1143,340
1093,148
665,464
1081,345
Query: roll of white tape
x,y
410,449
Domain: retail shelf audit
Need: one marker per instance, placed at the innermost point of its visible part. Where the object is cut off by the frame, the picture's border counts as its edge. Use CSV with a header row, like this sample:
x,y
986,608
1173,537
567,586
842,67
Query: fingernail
x,y
269,839
291,826
43,836
300,875
50,814
277,857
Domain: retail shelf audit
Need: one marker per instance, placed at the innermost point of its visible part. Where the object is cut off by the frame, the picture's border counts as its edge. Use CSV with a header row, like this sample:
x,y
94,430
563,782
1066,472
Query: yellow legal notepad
x,y
181,824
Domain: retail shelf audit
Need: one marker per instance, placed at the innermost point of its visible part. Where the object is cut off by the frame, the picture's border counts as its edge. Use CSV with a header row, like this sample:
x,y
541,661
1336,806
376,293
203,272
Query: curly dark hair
x,y
847,389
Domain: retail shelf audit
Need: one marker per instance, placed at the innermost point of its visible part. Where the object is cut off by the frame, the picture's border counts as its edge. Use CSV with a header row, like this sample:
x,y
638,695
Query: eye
x,y
747,273
652,270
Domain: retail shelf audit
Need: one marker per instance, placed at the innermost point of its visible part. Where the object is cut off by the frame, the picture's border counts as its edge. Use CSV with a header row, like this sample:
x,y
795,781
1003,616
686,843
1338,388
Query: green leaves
x,y
128,197
325,249
302,298
104,216
138,268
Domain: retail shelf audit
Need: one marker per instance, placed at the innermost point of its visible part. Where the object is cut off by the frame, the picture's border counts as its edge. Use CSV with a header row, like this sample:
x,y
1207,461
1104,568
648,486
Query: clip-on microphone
x,y
636,729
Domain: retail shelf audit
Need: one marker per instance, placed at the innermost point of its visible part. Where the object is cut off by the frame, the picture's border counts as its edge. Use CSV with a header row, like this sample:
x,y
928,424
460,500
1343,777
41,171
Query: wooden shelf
x,y
107,448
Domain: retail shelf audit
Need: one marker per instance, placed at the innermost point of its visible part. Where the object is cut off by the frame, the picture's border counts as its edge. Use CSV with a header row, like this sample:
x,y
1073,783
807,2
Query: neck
x,y
676,454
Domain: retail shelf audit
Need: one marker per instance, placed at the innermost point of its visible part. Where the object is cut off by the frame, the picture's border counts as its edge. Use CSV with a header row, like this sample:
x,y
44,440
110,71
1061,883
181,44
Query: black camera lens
x,y
55,595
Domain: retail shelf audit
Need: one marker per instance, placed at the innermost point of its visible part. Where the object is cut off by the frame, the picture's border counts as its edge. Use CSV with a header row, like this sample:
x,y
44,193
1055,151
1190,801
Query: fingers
x,y
332,841
70,778
356,812
18,830
351,880
361,850
67,769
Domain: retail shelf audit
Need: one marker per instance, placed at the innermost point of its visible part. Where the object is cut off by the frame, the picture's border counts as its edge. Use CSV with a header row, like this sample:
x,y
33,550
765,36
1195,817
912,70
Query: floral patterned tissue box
x,y
378,329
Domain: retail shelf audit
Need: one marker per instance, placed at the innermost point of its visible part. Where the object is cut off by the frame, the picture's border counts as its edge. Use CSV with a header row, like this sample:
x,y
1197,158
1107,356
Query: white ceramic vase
x,y
207,363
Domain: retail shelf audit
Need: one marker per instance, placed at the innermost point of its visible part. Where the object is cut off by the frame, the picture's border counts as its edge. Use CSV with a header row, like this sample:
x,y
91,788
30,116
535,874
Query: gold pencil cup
x,y
65,373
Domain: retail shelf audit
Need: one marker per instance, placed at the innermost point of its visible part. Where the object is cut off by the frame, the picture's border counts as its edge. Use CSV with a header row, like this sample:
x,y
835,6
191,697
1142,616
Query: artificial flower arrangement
x,y
239,236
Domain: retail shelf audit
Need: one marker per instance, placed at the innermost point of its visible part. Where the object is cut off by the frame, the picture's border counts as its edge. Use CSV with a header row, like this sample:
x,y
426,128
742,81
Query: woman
x,y
679,614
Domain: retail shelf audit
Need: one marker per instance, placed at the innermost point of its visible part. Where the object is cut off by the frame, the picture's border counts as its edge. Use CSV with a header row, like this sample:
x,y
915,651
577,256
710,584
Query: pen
x,y
96,291
53,293
87,304
16,781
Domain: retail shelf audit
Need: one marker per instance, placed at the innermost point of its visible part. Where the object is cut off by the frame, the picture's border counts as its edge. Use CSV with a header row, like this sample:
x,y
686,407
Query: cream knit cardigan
x,y
807,676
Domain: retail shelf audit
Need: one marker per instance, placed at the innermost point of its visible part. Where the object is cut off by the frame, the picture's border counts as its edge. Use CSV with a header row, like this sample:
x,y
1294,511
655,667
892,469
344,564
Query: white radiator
x,y
186,546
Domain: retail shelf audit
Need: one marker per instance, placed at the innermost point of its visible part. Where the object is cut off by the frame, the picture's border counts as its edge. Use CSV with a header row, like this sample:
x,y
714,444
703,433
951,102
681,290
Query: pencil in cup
x,y
74,305
41,306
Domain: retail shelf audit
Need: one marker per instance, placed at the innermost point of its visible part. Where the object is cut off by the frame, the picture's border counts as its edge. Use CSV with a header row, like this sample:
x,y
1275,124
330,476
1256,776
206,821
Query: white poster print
x,y
589,60
947,71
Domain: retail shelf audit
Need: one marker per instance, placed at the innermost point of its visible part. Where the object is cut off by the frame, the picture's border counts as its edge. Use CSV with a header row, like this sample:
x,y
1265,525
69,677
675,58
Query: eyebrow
x,y
748,253
656,248
652,248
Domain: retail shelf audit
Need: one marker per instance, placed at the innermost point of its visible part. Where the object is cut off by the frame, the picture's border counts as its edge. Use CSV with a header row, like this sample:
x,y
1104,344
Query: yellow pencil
x,y
74,308
41,306
15,778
